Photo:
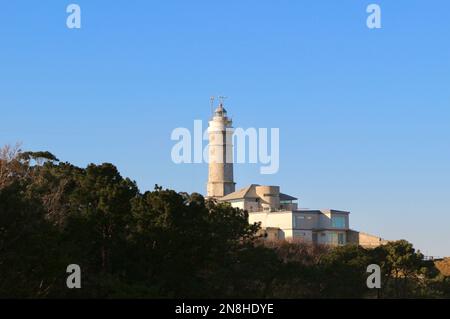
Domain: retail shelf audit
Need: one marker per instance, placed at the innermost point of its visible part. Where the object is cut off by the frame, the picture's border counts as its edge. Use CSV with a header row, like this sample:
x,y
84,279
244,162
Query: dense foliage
x,y
163,244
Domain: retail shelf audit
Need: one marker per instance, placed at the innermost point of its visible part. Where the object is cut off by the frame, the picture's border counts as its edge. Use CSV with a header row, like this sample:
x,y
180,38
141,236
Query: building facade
x,y
278,213
281,219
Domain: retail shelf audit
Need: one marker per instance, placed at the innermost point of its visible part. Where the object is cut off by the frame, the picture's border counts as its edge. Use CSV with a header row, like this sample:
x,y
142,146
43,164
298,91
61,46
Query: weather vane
x,y
222,98
211,99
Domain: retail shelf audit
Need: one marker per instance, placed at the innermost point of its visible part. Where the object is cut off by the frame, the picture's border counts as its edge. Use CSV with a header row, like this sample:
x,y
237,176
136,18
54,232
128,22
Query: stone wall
x,y
364,239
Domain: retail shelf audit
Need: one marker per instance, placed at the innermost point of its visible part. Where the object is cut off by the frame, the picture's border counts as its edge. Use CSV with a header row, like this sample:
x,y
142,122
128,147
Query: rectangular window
x,y
314,238
332,238
298,221
341,239
336,239
338,221
299,233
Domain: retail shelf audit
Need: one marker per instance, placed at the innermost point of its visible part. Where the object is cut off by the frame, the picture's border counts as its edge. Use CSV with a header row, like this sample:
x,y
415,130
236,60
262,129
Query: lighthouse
x,y
220,134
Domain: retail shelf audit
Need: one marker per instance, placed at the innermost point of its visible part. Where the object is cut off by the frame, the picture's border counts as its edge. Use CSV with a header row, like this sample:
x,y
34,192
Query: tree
x,y
344,272
29,258
188,240
406,273
162,243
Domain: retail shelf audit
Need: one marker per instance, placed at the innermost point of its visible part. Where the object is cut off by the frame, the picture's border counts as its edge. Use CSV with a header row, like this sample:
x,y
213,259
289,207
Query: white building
x,y
281,218
278,213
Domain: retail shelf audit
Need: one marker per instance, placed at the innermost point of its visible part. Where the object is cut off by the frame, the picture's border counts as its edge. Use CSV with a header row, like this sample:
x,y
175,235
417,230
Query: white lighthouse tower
x,y
220,177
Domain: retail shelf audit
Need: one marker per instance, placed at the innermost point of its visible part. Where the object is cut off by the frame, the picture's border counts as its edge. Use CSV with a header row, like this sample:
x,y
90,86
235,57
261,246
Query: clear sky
x,y
364,115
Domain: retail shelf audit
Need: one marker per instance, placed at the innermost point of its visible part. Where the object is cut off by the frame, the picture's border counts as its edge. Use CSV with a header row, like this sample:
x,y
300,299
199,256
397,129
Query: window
x,y
336,238
314,238
298,221
338,221
341,239
332,238
299,233
301,236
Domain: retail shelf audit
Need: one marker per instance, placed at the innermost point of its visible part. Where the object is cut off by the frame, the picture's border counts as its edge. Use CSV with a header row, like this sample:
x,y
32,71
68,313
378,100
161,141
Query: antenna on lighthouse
x,y
222,98
211,99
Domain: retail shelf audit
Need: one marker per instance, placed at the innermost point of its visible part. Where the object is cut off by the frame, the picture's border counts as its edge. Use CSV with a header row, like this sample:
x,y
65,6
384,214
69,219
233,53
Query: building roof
x,y
249,192
241,194
321,211
285,197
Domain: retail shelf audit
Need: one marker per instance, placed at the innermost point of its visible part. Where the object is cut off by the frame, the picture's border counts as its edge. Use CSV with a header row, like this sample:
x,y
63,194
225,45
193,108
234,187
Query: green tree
x,y
30,261
405,272
167,244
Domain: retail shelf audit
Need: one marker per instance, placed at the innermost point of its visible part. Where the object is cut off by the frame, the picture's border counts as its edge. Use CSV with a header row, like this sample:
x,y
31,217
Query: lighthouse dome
x,y
220,111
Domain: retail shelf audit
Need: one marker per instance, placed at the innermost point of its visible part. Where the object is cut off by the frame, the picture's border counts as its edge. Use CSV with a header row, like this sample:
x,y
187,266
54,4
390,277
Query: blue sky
x,y
363,114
